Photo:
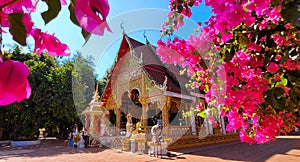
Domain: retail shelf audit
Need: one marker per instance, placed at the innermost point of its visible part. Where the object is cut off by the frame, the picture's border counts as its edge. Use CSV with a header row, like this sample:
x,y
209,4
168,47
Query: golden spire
x,y
96,92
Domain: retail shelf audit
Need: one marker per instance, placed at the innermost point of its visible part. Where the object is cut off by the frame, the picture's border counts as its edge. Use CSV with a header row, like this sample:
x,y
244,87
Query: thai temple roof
x,y
157,71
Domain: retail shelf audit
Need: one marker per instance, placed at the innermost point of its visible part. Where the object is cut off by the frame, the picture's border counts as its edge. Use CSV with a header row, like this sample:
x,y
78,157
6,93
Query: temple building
x,y
152,93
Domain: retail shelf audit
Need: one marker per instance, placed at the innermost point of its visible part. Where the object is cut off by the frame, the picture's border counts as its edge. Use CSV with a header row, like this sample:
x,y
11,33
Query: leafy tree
x,y
51,104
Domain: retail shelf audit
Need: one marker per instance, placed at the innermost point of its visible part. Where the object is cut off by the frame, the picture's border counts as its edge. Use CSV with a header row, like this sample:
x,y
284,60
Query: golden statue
x,y
138,126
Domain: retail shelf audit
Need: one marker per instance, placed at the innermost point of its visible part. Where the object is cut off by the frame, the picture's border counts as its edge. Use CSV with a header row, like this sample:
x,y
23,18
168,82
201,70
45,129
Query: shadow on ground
x,y
44,149
284,146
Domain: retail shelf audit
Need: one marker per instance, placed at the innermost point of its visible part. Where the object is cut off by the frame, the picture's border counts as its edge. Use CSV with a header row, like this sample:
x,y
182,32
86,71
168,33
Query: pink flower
x,y
14,85
273,67
278,57
187,12
63,2
288,26
88,12
277,78
263,24
18,6
253,46
245,137
27,23
211,120
263,39
45,41
279,40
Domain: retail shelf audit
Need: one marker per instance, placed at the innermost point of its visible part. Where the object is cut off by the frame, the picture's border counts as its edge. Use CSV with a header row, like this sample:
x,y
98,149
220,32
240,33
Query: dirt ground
x,y
286,148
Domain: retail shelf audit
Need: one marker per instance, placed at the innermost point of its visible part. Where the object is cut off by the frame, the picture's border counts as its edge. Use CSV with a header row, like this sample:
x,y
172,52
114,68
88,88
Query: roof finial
x,y
147,42
96,92
121,25
141,58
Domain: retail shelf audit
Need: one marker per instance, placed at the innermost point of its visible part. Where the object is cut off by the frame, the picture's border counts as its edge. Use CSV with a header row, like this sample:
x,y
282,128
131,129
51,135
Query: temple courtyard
x,y
286,148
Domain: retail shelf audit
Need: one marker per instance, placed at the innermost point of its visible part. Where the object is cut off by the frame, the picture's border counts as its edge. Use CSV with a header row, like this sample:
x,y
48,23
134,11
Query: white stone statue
x,y
156,132
129,125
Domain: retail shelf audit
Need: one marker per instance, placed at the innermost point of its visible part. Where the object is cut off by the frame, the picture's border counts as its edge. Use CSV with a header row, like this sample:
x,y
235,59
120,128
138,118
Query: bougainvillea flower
x,y
63,2
273,67
91,15
47,42
27,23
19,6
14,86
4,20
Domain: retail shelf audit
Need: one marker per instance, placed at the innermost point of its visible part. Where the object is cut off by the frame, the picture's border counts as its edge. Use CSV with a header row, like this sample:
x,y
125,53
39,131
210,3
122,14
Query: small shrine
x,y
96,116
143,92
96,119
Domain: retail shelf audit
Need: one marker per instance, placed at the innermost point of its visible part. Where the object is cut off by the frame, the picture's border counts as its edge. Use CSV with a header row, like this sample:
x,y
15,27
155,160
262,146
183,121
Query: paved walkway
x,y
286,148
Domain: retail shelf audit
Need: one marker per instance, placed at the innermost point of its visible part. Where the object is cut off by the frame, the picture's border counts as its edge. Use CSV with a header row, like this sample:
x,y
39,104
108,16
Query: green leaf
x,y
202,114
206,88
72,12
290,12
294,77
85,34
191,3
54,8
179,8
174,5
296,90
180,1
283,81
274,97
243,40
17,28
236,88
73,18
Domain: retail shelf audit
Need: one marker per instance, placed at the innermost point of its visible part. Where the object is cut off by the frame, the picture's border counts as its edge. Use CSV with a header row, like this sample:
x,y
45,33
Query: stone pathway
x,y
286,148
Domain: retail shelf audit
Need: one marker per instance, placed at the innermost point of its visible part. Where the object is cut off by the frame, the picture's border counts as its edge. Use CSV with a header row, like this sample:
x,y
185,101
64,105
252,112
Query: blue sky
x,y
120,11
138,16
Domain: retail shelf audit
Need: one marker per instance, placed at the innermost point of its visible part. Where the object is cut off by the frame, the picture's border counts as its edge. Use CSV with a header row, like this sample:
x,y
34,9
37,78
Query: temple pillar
x,y
223,125
145,108
211,130
207,130
102,124
118,120
87,121
92,124
97,128
165,115
193,124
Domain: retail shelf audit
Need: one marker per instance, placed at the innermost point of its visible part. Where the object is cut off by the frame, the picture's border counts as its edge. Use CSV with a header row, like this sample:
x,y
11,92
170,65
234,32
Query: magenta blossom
x,y
279,40
63,2
45,41
14,86
18,6
273,67
91,15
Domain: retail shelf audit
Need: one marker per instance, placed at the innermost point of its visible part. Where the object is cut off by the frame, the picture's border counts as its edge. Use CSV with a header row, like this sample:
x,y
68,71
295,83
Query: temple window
x,y
112,117
125,107
135,106
174,115
154,113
